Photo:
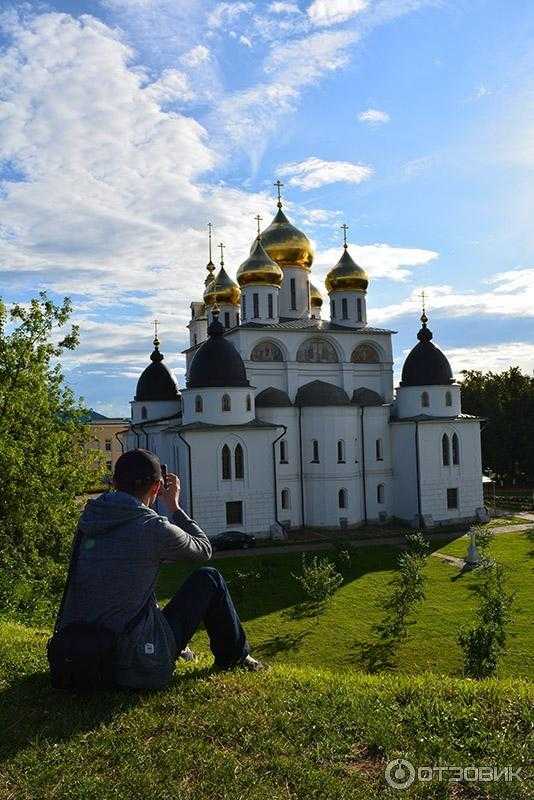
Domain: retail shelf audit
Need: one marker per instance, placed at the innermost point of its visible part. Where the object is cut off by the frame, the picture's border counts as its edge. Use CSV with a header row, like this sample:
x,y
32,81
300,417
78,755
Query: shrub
x,y
319,579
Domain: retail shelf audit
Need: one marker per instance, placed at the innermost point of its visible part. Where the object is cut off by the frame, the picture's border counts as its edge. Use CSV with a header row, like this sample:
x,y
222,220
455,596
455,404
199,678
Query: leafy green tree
x,y
506,401
45,462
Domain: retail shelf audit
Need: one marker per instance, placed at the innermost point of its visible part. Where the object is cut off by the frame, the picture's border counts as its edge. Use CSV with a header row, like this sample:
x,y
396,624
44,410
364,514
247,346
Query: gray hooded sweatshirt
x,y
123,546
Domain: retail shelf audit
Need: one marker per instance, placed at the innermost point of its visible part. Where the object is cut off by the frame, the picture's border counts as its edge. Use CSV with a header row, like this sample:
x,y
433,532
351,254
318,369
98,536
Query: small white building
x,y
288,420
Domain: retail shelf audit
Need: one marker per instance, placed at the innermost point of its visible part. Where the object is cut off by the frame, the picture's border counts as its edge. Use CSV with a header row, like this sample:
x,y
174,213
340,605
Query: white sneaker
x,y
252,664
187,654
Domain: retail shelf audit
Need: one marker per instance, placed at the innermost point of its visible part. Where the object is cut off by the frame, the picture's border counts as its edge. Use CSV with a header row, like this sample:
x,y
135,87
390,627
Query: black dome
x,y
272,398
321,393
367,397
216,362
426,365
156,381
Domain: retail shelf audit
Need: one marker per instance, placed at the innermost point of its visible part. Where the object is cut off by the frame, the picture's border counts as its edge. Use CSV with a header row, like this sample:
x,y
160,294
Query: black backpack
x,y
81,655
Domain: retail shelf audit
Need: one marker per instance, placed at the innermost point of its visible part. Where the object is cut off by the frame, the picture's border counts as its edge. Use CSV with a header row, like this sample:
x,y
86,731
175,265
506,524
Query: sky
x,y
127,125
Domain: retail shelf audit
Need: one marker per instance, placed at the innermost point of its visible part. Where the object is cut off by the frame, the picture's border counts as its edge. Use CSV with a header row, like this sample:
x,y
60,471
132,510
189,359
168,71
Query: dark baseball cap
x,y
137,468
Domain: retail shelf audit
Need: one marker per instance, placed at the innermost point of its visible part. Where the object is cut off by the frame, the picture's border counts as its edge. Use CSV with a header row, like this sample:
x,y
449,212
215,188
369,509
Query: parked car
x,y
233,540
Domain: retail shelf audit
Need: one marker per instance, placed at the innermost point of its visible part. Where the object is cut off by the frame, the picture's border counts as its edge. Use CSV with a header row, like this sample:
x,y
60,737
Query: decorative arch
x,y
285,498
226,403
342,498
365,353
199,405
239,462
317,351
226,463
448,399
267,350
425,400
380,493
455,449
445,450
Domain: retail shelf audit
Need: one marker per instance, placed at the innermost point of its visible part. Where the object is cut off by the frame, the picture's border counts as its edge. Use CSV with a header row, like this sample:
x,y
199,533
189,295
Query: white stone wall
x,y
288,475
409,401
377,471
263,292
212,405
302,293
404,467
154,409
336,308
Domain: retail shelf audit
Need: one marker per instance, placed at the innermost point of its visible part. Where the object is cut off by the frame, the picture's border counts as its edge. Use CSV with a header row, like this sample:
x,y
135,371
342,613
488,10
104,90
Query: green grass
x,y
311,726
333,639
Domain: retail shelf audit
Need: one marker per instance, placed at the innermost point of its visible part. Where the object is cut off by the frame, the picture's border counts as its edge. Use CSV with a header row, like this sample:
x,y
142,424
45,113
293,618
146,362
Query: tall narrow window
x,y
270,312
452,498
226,459
445,450
344,308
286,499
283,452
256,305
359,309
341,452
198,404
380,493
244,306
239,462
237,317
333,309
355,451
293,291
379,450
226,319
226,403
342,498
455,449
448,399
315,451
144,413
249,403
425,400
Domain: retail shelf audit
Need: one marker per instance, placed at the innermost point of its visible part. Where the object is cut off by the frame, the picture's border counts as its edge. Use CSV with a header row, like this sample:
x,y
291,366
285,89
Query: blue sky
x,y
126,125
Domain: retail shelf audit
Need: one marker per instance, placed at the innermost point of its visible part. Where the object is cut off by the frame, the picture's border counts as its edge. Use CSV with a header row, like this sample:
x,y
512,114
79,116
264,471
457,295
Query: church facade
x,y
290,420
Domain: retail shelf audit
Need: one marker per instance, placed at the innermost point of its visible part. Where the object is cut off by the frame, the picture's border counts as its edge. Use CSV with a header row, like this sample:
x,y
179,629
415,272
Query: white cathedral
x,y
288,420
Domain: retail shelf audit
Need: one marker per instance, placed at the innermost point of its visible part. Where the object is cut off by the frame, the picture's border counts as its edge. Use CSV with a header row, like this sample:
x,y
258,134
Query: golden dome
x,y
222,289
259,268
346,276
316,298
284,243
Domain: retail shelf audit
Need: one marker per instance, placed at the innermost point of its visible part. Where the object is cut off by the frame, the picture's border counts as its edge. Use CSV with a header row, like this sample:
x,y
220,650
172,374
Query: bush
x,y
319,579
485,641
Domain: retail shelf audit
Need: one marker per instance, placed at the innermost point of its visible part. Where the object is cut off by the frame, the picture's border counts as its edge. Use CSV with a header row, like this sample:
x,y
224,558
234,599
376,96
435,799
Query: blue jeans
x,y
204,597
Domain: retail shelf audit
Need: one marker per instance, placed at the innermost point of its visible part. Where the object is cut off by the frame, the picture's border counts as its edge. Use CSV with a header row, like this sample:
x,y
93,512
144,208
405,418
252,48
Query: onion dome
x,y
272,398
288,246
425,364
346,276
259,268
216,362
321,393
156,381
222,289
316,298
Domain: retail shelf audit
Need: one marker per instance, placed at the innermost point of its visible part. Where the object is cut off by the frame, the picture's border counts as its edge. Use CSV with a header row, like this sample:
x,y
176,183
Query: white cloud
x,y
512,295
172,85
225,13
379,260
314,172
197,55
284,8
373,116
245,41
495,357
331,12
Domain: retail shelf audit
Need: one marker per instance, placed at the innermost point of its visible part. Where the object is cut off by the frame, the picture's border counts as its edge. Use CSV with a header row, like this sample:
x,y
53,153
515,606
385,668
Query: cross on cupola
x,y
156,339
345,228
258,220
279,185
222,246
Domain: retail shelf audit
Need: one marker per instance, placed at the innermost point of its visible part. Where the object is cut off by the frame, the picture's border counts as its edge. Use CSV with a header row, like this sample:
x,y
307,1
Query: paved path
x,y
435,536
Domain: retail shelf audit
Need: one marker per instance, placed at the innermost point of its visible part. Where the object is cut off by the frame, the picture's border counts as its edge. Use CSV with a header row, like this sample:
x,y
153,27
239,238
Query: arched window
x,y
226,463
341,452
342,498
144,413
226,403
239,462
379,450
365,354
266,351
286,499
380,493
344,308
315,451
448,399
455,449
249,403
198,404
425,400
318,351
445,450
283,452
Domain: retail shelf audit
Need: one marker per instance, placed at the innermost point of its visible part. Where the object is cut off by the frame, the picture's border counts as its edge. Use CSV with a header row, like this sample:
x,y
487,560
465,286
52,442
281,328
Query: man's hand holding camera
x,y
170,492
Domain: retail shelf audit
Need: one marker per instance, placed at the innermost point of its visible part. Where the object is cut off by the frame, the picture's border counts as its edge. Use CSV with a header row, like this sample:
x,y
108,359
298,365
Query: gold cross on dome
x,y
210,226
423,300
258,220
156,323
222,246
279,185
344,228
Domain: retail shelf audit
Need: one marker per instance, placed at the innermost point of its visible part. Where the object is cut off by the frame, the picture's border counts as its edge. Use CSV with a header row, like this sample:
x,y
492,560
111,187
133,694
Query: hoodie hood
x,y
110,510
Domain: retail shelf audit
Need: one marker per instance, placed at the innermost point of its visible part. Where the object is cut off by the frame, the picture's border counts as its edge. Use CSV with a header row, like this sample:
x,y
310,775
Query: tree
x,y
506,401
45,463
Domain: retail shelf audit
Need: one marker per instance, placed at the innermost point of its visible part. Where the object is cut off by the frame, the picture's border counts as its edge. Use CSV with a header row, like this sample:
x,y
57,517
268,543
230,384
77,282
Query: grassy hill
x,y
311,726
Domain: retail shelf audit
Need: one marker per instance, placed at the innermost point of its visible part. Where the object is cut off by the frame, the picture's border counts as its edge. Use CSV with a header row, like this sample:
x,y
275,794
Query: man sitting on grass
x,y
123,546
